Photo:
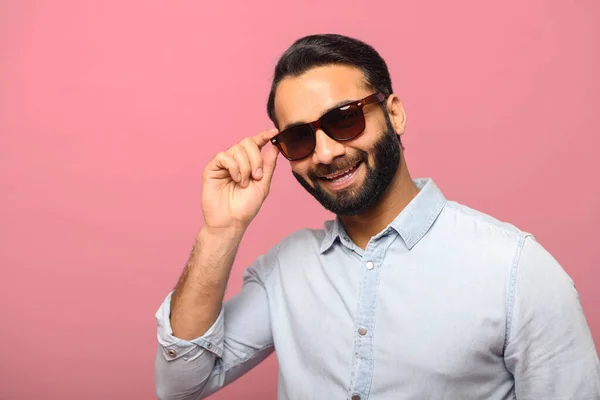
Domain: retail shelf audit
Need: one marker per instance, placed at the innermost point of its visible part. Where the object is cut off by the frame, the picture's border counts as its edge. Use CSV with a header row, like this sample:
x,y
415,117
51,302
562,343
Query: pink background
x,y
110,109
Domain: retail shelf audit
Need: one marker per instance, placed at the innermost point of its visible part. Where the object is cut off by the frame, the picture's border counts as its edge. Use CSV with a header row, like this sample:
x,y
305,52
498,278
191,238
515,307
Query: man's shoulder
x,y
296,247
305,239
302,240
478,239
470,220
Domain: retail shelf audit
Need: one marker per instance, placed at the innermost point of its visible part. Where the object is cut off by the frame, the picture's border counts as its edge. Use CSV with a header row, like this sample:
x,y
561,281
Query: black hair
x,y
327,49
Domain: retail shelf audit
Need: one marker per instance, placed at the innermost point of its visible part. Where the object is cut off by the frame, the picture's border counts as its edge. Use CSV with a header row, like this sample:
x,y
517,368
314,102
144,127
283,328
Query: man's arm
x,y
196,354
550,350
198,297
211,356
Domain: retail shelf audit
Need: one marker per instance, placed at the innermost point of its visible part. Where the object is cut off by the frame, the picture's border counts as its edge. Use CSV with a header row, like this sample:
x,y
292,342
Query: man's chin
x,y
343,202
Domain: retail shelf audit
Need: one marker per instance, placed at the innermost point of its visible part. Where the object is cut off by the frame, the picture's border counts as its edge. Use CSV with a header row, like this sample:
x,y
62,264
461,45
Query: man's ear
x,y
397,114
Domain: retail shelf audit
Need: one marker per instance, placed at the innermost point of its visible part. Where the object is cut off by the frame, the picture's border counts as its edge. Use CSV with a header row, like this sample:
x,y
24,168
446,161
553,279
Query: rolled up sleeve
x,y
172,347
183,367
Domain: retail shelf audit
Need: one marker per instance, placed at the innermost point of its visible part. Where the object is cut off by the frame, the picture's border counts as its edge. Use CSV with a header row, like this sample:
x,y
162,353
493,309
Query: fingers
x,y
225,162
249,158
255,158
264,137
269,163
244,160
240,155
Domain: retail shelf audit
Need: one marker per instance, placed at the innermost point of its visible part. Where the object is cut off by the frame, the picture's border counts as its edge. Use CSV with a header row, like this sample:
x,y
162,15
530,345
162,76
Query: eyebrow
x,y
336,105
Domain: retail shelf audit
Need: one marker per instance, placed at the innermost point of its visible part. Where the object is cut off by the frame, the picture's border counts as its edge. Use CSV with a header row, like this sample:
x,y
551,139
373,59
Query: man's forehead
x,y
306,97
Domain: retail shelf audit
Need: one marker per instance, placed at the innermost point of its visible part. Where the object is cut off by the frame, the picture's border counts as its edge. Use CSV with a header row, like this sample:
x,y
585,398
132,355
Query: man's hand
x,y
236,182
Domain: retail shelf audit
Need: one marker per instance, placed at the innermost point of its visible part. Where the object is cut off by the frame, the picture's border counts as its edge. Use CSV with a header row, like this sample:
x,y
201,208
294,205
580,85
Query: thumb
x,y
269,164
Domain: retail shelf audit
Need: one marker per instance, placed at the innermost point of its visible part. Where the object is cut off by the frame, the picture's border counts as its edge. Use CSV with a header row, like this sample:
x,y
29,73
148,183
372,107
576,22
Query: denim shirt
x,y
445,303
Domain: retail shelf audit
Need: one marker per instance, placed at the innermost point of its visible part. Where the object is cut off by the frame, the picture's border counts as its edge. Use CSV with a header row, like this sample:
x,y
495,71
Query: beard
x,y
354,201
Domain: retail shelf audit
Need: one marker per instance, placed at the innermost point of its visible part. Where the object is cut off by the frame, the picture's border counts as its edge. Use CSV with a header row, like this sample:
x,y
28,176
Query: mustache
x,y
337,165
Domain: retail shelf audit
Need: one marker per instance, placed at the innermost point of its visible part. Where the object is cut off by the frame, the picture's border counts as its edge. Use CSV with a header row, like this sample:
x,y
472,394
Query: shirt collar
x,y
333,231
411,224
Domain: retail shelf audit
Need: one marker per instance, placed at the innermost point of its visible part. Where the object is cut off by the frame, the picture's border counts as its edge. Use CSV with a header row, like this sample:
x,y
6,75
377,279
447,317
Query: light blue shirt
x,y
446,303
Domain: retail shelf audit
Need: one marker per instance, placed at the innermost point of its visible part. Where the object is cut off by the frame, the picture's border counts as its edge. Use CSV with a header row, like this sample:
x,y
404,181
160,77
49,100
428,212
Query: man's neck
x,y
361,228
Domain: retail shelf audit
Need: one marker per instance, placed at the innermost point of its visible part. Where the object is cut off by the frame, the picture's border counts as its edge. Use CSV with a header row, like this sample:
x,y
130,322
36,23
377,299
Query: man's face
x,y
347,178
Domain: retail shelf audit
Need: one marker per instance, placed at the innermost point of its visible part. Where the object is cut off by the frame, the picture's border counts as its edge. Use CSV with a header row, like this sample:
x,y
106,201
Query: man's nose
x,y
326,148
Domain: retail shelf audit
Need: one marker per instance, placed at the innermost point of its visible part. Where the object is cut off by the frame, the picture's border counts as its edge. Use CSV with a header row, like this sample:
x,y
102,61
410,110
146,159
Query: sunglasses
x,y
342,123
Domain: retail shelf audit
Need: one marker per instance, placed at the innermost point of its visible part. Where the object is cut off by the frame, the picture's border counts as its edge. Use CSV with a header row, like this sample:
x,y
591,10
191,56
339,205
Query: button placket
x,y
362,363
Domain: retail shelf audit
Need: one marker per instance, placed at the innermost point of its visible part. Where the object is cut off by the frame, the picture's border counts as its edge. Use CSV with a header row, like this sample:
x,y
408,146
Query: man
x,y
405,295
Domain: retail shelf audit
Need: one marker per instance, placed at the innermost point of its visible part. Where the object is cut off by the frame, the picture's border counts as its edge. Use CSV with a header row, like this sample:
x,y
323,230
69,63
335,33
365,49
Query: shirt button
x,y
172,353
370,265
346,238
362,331
356,397
210,346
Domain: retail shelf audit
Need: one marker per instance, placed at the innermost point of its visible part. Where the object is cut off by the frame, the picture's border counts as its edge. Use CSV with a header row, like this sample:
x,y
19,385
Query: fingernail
x,y
259,173
238,177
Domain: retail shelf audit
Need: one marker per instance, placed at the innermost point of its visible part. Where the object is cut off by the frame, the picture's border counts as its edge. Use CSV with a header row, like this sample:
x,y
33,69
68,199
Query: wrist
x,y
232,234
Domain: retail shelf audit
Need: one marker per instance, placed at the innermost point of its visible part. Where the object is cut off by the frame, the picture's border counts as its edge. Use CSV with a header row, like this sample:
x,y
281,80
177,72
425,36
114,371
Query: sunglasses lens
x,y
297,142
345,123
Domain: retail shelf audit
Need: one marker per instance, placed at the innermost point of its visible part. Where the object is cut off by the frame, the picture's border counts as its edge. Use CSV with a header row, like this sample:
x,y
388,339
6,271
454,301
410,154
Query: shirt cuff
x,y
174,347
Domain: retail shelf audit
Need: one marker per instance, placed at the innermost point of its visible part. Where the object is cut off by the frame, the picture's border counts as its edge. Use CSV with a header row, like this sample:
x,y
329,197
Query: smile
x,y
342,174
341,179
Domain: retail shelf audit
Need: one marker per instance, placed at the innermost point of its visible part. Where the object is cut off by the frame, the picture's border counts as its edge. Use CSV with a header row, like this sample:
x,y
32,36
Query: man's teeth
x,y
340,177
